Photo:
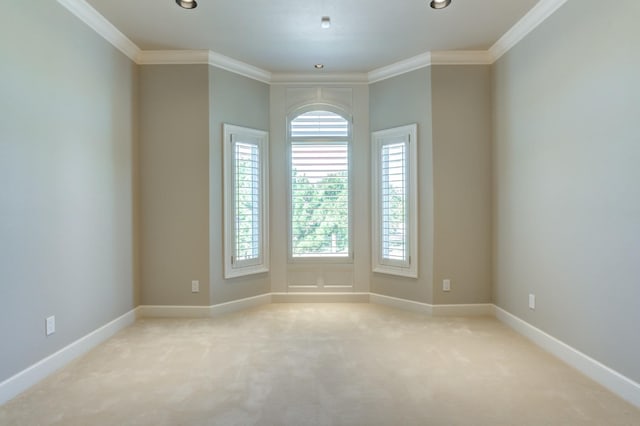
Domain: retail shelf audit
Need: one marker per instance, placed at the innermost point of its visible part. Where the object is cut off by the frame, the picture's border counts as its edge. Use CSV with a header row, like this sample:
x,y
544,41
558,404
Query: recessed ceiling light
x,y
318,66
440,4
325,22
187,4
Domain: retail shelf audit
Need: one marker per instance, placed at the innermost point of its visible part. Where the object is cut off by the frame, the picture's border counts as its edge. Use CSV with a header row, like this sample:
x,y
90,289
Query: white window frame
x,y
409,136
232,135
328,139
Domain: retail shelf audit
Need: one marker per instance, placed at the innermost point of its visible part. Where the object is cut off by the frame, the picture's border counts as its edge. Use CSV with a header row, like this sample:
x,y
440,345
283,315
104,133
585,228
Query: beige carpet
x,y
318,364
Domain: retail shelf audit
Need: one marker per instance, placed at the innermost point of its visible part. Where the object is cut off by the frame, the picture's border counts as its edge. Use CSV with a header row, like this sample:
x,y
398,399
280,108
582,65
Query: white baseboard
x,y
169,311
304,297
607,377
394,302
240,304
463,310
28,377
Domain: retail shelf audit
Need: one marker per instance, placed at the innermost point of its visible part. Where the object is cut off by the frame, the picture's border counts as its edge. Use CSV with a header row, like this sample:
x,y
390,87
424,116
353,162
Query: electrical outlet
x,y
50,325
446,285
532,301
195,286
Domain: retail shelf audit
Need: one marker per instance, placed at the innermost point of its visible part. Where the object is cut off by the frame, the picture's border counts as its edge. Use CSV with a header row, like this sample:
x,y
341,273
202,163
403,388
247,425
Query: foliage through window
x,y
320,186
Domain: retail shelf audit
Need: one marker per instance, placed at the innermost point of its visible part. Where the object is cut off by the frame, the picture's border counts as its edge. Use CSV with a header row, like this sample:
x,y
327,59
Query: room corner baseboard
x,y
394,302
241,304
463,310
178,311
303,297
13,386
607,377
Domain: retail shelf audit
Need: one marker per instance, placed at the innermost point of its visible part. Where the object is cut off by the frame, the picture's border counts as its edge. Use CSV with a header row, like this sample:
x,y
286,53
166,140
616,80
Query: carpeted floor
x,y
318,364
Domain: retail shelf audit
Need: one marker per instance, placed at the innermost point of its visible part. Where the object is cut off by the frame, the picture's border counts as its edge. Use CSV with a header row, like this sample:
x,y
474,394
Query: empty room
x,y
362,212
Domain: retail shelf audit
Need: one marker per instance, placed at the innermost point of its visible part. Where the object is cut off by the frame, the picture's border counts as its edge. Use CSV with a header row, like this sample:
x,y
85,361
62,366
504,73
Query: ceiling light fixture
x,y
187,4
325,22
440,4
318,66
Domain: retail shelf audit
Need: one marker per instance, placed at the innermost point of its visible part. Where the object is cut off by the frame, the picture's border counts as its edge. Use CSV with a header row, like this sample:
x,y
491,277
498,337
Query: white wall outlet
x,y
195,286
532,301
50,325
446,285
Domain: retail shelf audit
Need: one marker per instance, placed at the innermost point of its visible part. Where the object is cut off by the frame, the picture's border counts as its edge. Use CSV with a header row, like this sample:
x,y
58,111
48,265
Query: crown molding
x,y
190,57
538,14
416,62
87,14
166,57
319,78
461,57
239,67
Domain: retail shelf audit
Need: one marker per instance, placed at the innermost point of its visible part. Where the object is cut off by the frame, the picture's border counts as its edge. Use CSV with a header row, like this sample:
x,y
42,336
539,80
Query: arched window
x,y
320,186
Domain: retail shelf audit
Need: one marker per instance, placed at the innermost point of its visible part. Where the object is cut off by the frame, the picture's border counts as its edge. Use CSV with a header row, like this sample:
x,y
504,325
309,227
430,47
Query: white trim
x,y
187,57
28,377
607,377
401,67
395,302
320,78
303,297
87,14
241,304
171,311
167,57
463,310
461,57
168,311
238,67
537,15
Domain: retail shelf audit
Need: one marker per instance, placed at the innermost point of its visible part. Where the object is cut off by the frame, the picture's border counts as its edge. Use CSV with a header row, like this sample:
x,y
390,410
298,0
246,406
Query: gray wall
x,y
241,101
182,111
174,151
567,174
393,102
461,104
68,191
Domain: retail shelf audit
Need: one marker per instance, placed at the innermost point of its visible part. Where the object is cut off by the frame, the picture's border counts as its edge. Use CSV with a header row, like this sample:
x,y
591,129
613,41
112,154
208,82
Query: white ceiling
x,y
285,35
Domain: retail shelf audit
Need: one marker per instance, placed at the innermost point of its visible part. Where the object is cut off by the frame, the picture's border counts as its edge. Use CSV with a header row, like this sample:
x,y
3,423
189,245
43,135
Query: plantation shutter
x,y
246,175
393,202
319,124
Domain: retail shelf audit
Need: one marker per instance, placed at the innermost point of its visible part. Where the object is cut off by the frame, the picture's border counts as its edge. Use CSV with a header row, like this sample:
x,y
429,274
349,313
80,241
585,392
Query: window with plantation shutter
x,y
320,200
394,201
245,195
